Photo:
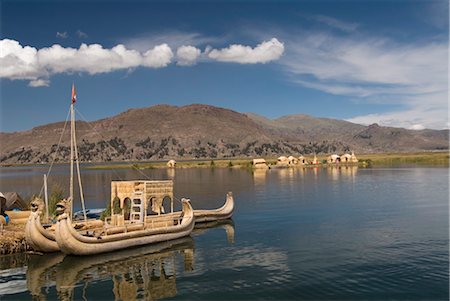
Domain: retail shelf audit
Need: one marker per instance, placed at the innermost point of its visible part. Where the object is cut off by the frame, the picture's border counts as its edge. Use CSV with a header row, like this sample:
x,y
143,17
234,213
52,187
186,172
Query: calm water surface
x,y
303,234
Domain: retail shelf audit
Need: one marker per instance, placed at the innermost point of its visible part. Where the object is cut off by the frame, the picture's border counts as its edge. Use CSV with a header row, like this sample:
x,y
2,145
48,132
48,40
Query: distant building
x,y
302,160
333,159
292,160
260,164
171,164
283,161
347,158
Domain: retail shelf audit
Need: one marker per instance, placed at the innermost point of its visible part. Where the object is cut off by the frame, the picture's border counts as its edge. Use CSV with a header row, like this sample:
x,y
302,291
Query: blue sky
x,y
363,61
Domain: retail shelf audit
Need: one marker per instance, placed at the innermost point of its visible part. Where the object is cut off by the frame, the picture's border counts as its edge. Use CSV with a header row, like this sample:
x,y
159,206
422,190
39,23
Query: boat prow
x,y
222,213
37,237
130,235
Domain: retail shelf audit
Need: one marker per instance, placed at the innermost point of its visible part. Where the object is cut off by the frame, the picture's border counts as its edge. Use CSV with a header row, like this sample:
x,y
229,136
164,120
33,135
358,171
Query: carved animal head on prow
x,y
37,204
63,206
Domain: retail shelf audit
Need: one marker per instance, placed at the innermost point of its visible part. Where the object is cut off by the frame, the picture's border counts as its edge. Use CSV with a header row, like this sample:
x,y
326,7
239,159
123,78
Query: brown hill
x,y
203,131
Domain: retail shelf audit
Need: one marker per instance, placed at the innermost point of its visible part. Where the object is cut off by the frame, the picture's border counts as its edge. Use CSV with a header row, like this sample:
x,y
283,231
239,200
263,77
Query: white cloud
x,y
62,35
25,62
37,65
39,83
187,55
375,70
265,52
158,57
18,62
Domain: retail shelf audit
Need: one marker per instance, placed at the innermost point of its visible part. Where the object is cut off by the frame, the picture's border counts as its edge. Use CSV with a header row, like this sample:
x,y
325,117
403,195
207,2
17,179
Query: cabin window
x,y
116,206
166,204
150,206
126,208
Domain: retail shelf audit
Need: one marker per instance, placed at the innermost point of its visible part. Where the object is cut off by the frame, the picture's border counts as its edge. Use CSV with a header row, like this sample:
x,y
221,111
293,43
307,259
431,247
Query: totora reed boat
x,y
158,229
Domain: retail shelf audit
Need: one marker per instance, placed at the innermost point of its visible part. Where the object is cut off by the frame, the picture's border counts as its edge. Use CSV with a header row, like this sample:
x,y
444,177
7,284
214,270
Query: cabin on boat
x,y
171,164
260,164
134,200
333,159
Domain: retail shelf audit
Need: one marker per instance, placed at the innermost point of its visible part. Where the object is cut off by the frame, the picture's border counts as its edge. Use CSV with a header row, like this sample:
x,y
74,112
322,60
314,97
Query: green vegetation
x,y
396,159
56,195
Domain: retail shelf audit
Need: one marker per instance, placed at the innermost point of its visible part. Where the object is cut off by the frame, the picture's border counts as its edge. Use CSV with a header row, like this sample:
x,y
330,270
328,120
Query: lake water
x,y
297,234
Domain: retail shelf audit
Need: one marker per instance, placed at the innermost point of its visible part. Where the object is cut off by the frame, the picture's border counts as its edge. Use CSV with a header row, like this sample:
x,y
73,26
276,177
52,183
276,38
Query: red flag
x,y
74,94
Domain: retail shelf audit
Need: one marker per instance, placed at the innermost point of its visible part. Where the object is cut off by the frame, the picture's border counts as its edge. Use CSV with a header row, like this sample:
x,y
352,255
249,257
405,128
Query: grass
x,y
397,159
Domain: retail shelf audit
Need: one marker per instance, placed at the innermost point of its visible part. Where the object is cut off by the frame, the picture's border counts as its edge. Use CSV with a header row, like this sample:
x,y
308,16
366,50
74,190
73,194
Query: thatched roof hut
x,y
333,159
172,163
259,163
282,161
292,160
346,158
12,200
302,160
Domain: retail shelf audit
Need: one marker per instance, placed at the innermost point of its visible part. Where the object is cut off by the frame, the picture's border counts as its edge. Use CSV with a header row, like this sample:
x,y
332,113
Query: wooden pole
x,y
72,127
78,174
46,198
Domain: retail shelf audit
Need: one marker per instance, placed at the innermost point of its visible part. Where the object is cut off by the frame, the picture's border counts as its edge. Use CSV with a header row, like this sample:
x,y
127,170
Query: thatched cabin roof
x,y
12,201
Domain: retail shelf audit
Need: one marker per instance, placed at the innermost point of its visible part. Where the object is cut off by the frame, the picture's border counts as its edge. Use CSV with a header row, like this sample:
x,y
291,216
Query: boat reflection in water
x,y
144,273
227,225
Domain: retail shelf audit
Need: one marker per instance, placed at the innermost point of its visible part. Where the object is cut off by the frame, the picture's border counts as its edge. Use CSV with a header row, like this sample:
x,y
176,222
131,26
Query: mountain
x,y
203,131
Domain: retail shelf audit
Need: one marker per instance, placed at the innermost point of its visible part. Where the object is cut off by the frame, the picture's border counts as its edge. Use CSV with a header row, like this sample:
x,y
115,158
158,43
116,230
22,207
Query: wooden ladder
x,y
137,207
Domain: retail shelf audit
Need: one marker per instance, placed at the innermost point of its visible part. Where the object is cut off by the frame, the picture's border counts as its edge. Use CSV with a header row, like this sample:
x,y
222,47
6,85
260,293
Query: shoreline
x,y
432,158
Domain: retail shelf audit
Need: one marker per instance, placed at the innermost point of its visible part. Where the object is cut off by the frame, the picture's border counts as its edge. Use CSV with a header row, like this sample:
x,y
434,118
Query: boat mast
x,y
74,157
72,127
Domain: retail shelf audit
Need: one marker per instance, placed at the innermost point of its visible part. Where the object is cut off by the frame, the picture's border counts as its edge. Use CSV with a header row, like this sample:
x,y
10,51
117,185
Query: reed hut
x,y
171,164
13,201
282,161
260,164
346,158
333,159
302,160
292,160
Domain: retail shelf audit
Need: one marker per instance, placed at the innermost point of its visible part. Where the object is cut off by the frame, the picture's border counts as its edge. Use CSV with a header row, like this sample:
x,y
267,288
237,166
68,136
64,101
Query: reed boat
x,y
131,234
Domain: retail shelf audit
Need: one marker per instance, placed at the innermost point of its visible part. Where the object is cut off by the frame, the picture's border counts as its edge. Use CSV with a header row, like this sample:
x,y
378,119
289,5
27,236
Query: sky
x,y
367,62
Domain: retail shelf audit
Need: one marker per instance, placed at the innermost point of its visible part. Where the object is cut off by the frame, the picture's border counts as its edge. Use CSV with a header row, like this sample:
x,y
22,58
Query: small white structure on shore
x,y
302,160
282,161
292,160
347,158
314,161
171,164
260,164
333,159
